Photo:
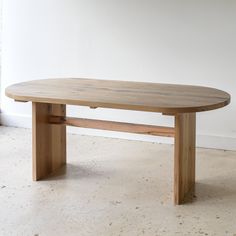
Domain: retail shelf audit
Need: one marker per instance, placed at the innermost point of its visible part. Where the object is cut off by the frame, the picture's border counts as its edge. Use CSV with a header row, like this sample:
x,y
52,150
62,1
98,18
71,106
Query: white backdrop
x,y
171,41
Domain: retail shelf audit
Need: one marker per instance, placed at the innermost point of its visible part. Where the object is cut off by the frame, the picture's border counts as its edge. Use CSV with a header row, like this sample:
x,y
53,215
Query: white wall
x,y
171,41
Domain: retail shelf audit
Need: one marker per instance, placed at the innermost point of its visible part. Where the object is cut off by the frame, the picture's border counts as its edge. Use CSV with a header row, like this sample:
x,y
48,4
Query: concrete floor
x,y
113,187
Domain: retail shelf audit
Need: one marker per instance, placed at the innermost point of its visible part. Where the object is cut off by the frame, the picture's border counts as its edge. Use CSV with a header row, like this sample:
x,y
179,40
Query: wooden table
x,y
50,97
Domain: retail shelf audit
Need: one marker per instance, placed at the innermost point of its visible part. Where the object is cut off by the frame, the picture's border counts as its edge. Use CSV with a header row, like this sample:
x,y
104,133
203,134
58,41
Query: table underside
x,y
49,143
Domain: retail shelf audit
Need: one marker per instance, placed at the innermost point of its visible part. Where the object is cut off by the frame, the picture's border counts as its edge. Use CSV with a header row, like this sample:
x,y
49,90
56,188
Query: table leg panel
x,y
184,160
49,141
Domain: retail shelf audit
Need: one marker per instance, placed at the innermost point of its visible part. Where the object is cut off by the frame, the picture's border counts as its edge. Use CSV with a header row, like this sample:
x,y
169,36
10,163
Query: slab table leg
x,y
184,158
49,141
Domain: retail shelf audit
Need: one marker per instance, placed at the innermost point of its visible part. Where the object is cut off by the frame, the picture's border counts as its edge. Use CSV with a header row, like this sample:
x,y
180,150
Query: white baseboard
x,y
203,140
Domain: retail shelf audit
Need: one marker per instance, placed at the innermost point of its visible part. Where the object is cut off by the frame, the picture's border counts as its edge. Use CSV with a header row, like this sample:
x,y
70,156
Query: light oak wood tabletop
x,y
166,98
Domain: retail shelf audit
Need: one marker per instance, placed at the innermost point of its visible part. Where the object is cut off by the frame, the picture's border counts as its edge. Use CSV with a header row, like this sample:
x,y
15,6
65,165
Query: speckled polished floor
x,y
113,187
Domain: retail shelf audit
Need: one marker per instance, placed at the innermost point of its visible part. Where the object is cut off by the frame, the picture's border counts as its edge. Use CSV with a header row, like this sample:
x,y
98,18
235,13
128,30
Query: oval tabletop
x,y
166,98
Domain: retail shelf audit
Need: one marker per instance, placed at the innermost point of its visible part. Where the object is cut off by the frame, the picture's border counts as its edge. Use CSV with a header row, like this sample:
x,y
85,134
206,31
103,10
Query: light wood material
x,y
166,98
50,97
184,160
114,126
49,141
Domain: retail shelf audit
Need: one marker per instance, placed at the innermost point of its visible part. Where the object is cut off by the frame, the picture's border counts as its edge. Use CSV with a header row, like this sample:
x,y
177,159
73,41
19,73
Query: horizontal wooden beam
x,y
114,126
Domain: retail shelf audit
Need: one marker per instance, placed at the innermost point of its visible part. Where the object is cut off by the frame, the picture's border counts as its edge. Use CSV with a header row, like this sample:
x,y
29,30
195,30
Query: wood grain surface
x,y
113,126
166,98
184,160
49,141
